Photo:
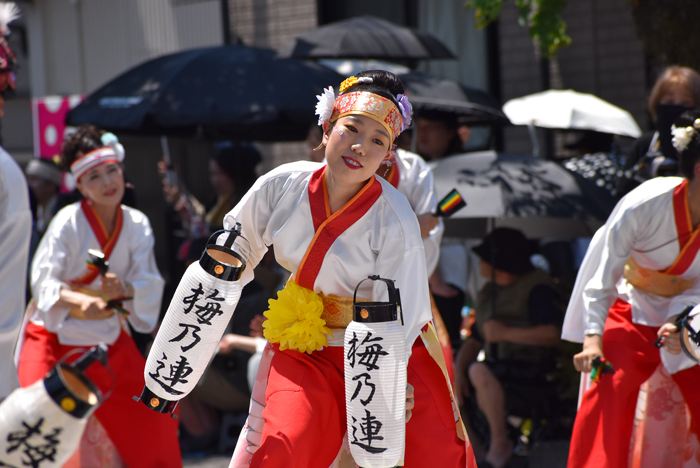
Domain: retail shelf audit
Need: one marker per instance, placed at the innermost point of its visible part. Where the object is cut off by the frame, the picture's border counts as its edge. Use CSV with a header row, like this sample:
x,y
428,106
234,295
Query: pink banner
x,y
49,117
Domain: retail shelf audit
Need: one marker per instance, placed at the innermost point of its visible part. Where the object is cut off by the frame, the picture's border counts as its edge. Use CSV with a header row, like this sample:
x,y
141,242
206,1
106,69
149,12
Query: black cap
x,y
506,249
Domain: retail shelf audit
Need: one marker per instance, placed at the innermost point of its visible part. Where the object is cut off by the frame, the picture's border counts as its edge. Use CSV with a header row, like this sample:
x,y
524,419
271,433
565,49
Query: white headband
x,y
94,158
49,172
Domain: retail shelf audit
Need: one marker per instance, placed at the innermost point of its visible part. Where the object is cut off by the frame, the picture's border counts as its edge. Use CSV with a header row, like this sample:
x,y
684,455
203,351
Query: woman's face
x,y
355,146
103,185
222,183
679,95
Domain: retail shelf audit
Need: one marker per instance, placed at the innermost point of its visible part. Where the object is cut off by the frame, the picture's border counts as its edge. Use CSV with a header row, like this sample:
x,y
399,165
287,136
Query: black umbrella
x,y
229,92
473,106
365,37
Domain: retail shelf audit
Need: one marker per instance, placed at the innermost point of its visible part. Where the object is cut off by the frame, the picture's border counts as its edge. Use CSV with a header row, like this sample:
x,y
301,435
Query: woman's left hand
x,y
410,401
112,287
672,338
427,223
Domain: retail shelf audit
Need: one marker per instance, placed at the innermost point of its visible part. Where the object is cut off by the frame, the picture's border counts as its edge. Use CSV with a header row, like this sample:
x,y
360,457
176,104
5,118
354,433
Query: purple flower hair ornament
x,y
406,109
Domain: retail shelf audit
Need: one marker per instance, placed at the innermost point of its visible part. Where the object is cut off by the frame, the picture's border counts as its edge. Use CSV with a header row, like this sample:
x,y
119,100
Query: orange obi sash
x,y
667,283
653,281
337,311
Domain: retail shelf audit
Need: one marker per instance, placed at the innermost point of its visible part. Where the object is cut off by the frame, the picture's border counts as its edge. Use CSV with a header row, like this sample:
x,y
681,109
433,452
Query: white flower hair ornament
x,y
682,136
324,106
111,140
8,13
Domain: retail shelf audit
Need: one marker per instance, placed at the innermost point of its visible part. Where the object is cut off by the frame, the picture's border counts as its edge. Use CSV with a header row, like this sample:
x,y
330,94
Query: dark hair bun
x,y
690,156
383,83
85,139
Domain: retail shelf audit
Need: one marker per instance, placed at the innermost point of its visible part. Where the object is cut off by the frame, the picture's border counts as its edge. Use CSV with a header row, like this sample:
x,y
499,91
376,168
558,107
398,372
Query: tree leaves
x,y
541,17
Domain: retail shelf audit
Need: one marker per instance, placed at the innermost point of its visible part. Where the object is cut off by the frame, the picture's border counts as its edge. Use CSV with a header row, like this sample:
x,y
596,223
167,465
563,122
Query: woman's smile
x,y
351,162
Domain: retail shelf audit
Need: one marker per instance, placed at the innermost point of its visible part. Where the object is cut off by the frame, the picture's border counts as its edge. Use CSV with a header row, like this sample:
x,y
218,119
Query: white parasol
x,y
568,109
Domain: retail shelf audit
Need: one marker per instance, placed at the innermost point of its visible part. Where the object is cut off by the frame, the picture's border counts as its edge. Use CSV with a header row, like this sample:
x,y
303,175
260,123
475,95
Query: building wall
x,y
605,58
272,24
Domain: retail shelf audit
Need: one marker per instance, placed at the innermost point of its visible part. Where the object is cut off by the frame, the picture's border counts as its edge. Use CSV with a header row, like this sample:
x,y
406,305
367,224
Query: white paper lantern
x,y
375,382
196,319
41,425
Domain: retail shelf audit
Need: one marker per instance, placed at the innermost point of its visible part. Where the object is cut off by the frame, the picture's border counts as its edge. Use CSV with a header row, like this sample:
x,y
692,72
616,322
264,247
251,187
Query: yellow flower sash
x,y
294,320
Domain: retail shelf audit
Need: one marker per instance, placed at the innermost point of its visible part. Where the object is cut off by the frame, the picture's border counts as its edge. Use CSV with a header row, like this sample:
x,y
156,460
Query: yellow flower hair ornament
x,y
294,320
352,81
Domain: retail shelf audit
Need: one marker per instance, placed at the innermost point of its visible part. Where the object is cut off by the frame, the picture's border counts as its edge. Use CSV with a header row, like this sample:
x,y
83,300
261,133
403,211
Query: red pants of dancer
x,y
143,438
604,422
305,417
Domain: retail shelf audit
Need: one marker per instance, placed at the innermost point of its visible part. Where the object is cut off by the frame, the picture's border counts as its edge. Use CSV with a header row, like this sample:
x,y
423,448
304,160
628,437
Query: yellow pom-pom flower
x,y
348,83
294,320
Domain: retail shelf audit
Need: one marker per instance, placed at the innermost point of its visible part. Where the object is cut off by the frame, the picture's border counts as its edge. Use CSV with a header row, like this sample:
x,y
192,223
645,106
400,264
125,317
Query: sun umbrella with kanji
x,y
539,197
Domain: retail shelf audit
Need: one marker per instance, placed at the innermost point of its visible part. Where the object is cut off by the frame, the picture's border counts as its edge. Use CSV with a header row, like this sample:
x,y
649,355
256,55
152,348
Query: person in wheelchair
x,y
518,317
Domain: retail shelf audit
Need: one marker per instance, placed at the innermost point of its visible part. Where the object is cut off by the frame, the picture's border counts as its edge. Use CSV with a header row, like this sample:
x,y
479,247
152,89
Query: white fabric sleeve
x,y
601,290
47,272
144,276
423,199
15,232
253,212
575,320
407,267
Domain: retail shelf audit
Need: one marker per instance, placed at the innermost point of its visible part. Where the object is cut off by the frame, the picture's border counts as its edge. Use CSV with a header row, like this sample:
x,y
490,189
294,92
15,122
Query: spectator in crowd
x,y
45,179
314,143
676,90
517,323
439,134
231,174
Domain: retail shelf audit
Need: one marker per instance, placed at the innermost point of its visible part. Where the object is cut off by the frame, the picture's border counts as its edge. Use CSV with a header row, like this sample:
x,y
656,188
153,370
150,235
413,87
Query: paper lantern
x,y
375,381
689,326
41,425
195,321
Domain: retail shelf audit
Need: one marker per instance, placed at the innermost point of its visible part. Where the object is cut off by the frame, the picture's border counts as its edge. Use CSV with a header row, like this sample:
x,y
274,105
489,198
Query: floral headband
x,y
684,135
394,119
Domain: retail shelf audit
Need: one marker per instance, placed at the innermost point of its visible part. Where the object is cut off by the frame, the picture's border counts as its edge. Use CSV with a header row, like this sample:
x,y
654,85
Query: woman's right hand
x,y
170,192
91,308
592,349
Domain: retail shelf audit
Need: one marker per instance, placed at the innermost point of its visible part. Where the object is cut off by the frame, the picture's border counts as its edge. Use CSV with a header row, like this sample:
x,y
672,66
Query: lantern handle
x,y
96,353
233,234
394,294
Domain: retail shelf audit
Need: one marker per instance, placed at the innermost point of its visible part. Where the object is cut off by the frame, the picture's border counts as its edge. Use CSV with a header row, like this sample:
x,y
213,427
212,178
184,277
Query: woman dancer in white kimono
x,y
641,270
71,311
333,225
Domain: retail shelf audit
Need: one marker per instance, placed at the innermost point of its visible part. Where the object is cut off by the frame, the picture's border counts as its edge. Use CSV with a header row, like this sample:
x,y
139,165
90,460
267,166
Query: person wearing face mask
x,y
77,306
677,90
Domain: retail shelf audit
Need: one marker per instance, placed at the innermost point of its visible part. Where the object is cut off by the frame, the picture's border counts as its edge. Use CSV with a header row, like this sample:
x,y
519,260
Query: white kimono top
x,y
415,180
642,226
61,257
15,232
384,241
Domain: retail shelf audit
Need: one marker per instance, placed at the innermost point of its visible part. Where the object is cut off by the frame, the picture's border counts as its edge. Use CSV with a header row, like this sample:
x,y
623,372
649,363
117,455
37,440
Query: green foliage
x,y
541,17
